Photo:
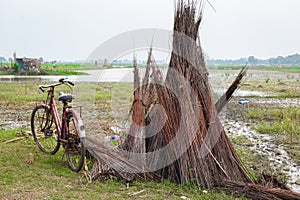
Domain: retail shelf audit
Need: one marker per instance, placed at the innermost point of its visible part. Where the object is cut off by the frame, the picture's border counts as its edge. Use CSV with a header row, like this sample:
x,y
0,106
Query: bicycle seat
x,y
65,97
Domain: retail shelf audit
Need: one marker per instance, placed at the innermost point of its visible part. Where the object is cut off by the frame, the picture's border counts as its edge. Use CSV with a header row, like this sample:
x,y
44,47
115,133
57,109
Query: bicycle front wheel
x,y
44,130
75,150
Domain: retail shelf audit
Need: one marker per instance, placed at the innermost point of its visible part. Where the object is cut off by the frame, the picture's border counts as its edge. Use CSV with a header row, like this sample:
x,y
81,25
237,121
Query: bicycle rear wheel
x,y
75,150
43,130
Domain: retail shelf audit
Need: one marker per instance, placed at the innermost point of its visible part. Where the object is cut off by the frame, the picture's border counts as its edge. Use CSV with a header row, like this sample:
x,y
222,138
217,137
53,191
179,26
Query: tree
x,y
252,60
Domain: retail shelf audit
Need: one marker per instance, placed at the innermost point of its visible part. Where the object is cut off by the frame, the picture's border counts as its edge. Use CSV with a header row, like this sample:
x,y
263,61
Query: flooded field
x,y
261,88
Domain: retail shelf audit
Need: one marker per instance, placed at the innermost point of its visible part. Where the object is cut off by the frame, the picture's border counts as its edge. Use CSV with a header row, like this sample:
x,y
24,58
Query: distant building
x,y
27,64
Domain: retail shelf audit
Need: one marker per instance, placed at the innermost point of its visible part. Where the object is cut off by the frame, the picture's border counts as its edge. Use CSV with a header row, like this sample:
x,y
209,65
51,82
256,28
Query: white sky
x,y
72,29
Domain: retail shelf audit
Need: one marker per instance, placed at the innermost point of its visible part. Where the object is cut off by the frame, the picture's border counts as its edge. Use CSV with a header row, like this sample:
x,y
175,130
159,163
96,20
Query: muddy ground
x,y
15,115
269,155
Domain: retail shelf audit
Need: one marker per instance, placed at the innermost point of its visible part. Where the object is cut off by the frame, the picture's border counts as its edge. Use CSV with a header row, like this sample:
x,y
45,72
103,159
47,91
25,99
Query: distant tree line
x,y
2,59
291,60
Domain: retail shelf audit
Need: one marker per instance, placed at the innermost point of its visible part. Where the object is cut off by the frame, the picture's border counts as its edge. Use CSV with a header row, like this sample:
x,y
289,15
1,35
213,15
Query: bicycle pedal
x,y
73,150
48,133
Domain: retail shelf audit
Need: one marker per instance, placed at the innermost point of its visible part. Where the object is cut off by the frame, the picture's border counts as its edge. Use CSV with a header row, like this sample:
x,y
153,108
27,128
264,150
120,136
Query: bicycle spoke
x,y
43,132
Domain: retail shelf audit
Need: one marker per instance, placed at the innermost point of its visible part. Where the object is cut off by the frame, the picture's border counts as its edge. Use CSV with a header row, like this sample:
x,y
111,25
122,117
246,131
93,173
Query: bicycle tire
x,y
74,149
43,132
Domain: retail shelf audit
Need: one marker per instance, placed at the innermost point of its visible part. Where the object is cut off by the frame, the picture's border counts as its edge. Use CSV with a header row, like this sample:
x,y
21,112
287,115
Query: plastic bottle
x,y
113,137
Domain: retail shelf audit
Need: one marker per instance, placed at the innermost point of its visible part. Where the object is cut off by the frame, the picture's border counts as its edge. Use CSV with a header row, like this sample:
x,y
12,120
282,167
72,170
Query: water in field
x,y
107,75
124,75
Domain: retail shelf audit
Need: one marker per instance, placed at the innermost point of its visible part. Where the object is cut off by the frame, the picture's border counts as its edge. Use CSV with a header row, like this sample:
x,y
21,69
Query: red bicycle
x,y
49,132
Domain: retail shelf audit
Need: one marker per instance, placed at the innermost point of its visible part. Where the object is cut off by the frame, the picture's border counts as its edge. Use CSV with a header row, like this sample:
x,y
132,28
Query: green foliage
x,y
289,76
15,67
227,74
290,69
267,80
291,61
252,60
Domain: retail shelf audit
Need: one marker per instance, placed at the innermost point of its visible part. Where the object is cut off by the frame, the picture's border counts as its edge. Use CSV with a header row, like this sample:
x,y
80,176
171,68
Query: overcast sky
x,y
72,29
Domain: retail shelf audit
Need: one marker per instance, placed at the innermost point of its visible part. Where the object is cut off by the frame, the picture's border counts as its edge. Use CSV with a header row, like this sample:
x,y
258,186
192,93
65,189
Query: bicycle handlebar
x,y
61,81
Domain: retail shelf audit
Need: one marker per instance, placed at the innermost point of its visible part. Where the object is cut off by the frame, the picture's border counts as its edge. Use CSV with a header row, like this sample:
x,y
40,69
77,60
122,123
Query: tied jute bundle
x,y
196,147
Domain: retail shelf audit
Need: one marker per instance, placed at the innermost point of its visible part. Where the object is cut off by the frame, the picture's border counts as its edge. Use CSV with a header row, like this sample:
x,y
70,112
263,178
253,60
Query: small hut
x,y
27,64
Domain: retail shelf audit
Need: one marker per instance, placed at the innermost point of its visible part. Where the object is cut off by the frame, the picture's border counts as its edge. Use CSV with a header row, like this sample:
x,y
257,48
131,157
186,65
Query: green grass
x,y
20,91
28,91
3,73
291,69
8,134
265,114
225,67
69,66
285,95
60,69
60,72
284,121
281,88
269,128
63,65
102,95
275,113
48,177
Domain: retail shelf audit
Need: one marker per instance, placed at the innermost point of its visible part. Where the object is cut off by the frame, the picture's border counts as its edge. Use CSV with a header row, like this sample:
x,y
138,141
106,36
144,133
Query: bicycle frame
x,y
62,124
53,109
